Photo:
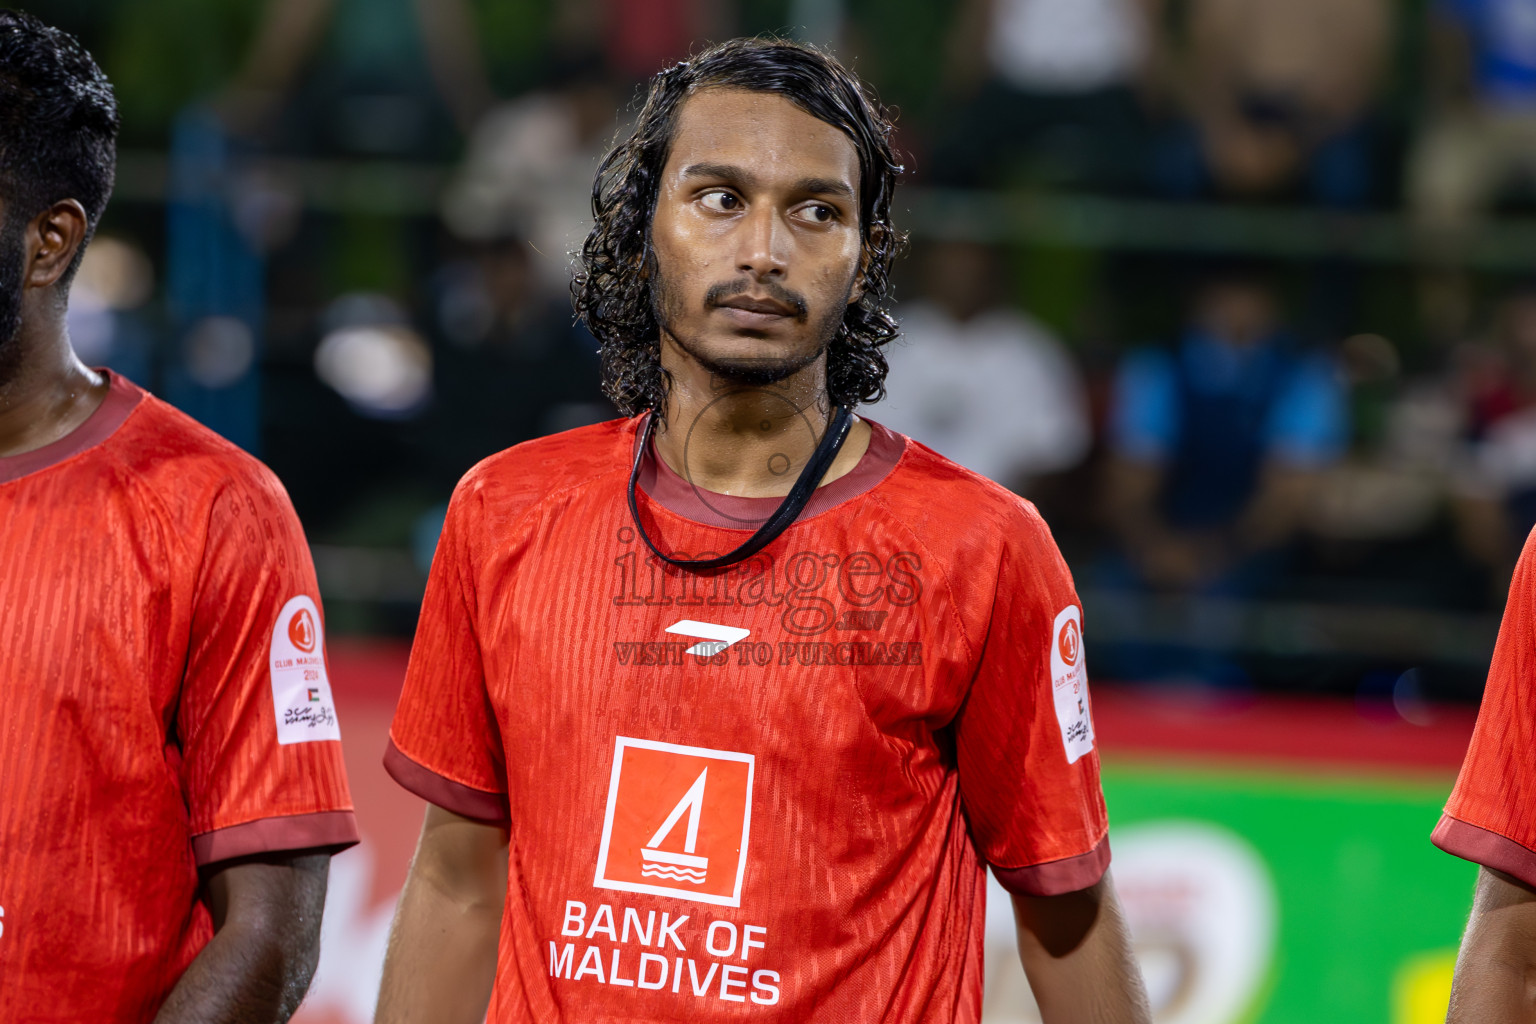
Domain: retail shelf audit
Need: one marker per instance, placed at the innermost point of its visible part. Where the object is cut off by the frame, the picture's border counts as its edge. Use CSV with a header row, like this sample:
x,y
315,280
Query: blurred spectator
x,y
1481,135
530,164
1053,82
215,282
385,70
1392,485
1215,446
375,75
1496,489
980,382
510,364
644,36
1277,93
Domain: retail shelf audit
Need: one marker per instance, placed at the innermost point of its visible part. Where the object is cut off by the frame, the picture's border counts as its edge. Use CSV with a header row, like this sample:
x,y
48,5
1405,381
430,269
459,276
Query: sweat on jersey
x,y
1488,818
768,791
163,703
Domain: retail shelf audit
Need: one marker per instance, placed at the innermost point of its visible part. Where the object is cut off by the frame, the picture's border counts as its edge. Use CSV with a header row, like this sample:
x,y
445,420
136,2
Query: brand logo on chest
x,y
678,821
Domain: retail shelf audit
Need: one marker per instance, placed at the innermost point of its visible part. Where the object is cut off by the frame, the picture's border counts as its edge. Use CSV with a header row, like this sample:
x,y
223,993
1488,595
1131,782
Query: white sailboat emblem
x,y
686,866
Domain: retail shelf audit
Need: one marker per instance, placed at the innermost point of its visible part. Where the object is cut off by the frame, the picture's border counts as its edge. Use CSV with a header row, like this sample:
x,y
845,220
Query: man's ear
x,y
52,239
878,236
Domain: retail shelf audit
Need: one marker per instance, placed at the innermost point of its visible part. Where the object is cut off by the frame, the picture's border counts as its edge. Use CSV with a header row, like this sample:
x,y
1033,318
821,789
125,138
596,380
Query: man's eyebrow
x,y
741,176
825,187
726,172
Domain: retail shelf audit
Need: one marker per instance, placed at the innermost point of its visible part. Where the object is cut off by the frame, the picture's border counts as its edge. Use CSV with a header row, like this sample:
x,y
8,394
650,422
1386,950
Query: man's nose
x,y
763,241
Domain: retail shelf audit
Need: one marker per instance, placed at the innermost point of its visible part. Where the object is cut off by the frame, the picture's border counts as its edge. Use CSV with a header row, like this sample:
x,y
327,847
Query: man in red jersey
x,y
1489,820
171,781
723,710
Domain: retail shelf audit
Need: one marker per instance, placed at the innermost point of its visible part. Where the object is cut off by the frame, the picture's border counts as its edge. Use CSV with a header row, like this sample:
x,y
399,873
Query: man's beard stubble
x,y
667,307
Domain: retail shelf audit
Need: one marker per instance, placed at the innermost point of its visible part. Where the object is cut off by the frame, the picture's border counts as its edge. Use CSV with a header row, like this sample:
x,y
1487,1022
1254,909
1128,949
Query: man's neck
x,y
45,391
748,440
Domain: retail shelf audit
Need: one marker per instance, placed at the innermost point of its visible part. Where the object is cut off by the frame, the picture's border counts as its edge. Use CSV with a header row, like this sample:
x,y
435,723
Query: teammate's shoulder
x,y
160,442
543,466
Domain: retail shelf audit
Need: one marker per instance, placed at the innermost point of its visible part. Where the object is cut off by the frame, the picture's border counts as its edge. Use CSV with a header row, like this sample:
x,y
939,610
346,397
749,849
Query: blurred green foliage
x,y
160,54
163,54
514,37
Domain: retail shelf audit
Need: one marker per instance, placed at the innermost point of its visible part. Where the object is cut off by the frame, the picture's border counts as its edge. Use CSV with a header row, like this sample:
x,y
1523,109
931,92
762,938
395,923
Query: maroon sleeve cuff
x,y
463,800
334,829
1480,846
1055,877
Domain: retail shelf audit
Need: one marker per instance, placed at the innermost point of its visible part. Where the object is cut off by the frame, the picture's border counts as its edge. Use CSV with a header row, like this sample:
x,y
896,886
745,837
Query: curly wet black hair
x,y
58,123
612,289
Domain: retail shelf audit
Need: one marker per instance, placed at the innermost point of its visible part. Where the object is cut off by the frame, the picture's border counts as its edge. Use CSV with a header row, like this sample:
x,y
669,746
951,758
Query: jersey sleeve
x,y
1029,773
444,743
1487,819
261,758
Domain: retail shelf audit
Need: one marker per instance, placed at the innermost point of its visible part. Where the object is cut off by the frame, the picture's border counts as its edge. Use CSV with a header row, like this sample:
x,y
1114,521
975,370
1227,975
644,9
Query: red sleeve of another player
x,y
261,754
1029,773
1488,817
444,744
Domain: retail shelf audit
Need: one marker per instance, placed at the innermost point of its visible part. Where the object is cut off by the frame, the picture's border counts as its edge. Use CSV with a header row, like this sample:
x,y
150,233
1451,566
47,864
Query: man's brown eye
x,y
721,201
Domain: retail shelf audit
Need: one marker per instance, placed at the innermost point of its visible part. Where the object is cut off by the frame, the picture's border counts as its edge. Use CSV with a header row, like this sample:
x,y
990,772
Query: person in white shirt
x,y
980,382
1051,89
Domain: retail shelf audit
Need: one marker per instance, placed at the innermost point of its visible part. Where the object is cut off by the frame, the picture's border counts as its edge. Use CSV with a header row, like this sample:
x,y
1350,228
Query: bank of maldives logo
x,y
677,823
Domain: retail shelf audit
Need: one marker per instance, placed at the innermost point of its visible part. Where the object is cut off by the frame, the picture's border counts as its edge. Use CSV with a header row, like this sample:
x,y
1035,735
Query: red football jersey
x,y
769,789
164,703
1488,818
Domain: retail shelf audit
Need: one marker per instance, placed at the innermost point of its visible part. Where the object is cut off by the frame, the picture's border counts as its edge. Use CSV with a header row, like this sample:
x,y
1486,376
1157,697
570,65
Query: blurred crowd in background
x,y
1241,292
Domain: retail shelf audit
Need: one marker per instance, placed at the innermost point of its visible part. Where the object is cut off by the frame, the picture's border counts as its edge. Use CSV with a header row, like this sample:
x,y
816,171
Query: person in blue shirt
x,y
1215,445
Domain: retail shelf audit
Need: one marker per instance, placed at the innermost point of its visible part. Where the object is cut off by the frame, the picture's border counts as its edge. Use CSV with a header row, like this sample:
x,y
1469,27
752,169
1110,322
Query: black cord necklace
x,y
788,511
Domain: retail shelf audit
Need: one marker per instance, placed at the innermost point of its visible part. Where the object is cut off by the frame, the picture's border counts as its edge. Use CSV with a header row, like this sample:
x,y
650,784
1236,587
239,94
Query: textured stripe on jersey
x,y
767,791
145,565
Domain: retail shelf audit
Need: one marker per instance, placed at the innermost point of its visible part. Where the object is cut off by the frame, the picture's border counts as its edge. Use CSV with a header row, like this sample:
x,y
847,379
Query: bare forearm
x,y
453,53
1279,509
1130,501
266,912
289,31
1491,992
1495,980
1078,959
241,977
441,961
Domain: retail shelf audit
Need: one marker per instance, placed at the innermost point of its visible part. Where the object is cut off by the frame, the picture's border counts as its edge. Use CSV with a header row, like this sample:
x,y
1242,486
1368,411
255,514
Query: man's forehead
x,y
763,131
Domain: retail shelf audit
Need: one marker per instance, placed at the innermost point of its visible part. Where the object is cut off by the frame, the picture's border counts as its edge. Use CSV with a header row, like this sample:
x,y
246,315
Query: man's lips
x,y
755,312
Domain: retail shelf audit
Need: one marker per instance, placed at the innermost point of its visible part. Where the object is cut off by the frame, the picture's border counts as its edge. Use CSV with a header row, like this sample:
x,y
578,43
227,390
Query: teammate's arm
x,y
266,940
442,948
1077,955
1495,979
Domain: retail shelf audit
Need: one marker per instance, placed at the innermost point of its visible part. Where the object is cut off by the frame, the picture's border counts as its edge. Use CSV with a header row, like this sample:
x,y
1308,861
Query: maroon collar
x,y
123,396
663,485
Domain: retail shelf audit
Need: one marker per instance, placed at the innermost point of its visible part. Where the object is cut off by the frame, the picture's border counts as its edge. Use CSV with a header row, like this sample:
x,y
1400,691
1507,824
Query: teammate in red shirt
x,y
1489,820
171,782
762,779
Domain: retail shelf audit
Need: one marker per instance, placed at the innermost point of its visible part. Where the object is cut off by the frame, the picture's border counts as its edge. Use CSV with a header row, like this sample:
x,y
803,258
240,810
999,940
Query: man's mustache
x,y
719,293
